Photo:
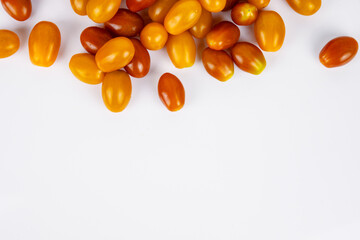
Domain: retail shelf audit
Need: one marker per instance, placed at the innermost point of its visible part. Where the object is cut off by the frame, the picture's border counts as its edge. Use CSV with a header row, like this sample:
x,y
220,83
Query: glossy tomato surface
x,y
260,4
115,54
18,9
339,52
154,36
138,5
181,50
213,5
84,68
125,23
183,15
223,36
171,92
218,64
101,11
140,64
230,4
93,38
158,11
116,91
248,57
9,43
44,44
79,6
203,25
269,31
305,7
244,14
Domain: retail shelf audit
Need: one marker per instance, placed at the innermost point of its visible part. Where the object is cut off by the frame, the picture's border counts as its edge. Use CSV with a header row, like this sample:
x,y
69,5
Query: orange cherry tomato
x,y
79,6
339,52
244,14
223,36
248,58
101,11
116,91
115,54
93,38
84,68
218,64
171,92
158,11
203,25
154,36
213,5
260,4
125,23
182,50
183,15
138,5
9,43
140,65
269,31
305,7
44,44
18,9
230,4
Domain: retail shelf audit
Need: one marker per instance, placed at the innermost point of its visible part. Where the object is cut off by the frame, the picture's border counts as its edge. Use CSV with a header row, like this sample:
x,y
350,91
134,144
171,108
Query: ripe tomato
x,y
171,92
18,9
79,6
84,68
305,7
154,36
182,50
9,43
213,5
248,58
218,64
93,38
203,26
101,11
244,14
260,4
158,11
223,36
140,64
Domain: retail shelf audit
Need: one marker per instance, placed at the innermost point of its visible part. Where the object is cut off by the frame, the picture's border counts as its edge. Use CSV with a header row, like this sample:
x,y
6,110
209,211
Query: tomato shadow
x,y
23,33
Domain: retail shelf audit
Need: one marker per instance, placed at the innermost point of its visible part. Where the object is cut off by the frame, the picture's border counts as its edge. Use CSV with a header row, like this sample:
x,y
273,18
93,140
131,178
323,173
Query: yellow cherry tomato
x,y
260,4
154,36
213,5
182,16
269,31
115,54
79,6
101,11
44,44
158,11
203,25
9,43
305,7
116,90
182,50
84,68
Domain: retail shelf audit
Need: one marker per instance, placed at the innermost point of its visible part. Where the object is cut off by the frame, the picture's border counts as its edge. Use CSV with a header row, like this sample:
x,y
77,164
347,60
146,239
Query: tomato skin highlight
x,y
101,11
171,92
269,31
125,23
20,10
79,6
213,5
181,50
248,58
84,68
338,52
223,36
138,5
260,4
203,25
116,91
93,38
140,64
158,11
218,64
10,43
154,36
305,7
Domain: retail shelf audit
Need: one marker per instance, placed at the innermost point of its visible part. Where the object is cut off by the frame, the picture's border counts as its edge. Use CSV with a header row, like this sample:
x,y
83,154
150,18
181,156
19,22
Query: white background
x,y
273,157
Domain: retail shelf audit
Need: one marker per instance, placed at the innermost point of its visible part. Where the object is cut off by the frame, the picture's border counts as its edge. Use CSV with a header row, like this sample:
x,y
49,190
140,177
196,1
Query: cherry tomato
x,y
244,14
183,15
218,64
79,6
223,36
9,43
171,92
182,50
269,31
44,44
339,52
140,65
93,38
115,54
305,7
230,4
84,68
116,91
158,11
203,25
248,58
138,5
18,9
101,11
125,23
260,4
213,5
154,36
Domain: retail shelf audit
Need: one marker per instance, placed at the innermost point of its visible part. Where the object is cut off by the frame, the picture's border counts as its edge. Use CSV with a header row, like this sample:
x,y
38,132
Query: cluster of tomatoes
x,y
127,35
